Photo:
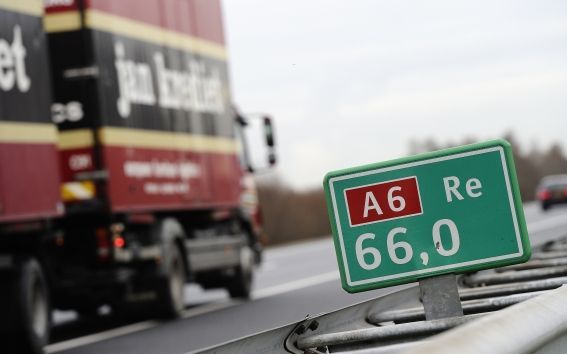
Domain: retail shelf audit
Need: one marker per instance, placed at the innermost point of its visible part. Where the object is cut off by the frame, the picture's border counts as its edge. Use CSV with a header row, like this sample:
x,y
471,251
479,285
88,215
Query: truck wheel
x,y
240,284
27,310
171,291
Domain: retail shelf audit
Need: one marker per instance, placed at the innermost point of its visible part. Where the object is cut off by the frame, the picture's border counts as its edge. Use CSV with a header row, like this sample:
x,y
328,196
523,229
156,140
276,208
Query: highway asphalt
x,y
294,281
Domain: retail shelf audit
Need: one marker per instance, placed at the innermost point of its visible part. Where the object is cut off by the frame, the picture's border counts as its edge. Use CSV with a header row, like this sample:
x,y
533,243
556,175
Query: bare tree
x,y
291,215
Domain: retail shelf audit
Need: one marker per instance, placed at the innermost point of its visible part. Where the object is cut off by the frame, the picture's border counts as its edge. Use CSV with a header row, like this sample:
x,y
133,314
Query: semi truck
x,y
124,168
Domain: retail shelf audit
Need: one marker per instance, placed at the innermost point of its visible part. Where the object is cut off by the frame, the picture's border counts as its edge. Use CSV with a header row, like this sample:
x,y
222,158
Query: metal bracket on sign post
x,y
440,297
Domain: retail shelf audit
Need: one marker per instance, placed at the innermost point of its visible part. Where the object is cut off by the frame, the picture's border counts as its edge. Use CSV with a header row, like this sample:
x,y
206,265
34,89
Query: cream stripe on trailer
x,y
27,7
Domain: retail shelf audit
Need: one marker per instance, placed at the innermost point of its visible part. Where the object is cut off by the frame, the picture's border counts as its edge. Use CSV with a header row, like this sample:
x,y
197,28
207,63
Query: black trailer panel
x,y
24,73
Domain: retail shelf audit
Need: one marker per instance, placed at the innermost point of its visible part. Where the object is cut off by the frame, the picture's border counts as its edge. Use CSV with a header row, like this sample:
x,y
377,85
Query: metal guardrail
x,y
515,276
385,333
512,288
395,323
469,307
529,327
534,264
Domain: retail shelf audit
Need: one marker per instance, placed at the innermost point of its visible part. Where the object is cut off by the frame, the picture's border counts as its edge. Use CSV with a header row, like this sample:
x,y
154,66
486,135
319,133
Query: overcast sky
x,y
352,82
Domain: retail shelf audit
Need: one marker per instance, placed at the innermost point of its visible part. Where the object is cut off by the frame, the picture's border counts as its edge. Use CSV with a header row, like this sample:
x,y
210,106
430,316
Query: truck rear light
x,y
103,244
119,242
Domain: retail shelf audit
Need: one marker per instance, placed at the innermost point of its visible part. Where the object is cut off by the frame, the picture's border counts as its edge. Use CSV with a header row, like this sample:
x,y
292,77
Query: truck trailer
x,y
124,169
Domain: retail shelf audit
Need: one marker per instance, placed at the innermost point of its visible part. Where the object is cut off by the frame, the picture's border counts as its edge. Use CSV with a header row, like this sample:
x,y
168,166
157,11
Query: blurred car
x,y
552,190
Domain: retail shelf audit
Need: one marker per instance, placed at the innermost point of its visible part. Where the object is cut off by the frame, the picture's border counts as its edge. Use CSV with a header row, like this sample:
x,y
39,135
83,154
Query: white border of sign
x,y
419,163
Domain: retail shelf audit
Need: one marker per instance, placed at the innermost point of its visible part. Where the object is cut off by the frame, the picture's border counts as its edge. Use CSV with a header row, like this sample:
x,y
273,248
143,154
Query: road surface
x,y
294,281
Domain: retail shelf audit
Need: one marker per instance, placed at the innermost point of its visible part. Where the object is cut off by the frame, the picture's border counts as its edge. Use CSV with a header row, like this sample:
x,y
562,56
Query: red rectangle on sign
x,y
383,201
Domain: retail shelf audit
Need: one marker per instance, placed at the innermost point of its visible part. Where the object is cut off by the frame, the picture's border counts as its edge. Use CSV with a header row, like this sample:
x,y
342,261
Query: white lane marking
x,y
97,337
200,310
132,328
547,223
296,285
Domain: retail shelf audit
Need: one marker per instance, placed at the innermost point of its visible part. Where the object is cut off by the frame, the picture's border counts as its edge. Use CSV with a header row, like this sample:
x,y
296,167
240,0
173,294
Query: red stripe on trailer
x,y
75,161
57,6
29,182
162,179
198,18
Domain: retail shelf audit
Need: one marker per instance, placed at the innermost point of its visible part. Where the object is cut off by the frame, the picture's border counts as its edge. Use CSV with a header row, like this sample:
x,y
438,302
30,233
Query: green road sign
x,y
449,211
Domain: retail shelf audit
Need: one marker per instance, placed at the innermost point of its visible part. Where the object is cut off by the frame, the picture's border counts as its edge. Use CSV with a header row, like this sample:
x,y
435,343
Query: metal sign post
x,y
440,297
447,212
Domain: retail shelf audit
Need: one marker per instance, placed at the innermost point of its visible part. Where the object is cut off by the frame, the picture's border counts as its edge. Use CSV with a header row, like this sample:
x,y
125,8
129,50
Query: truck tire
x,y
171,289
27,309
240,284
